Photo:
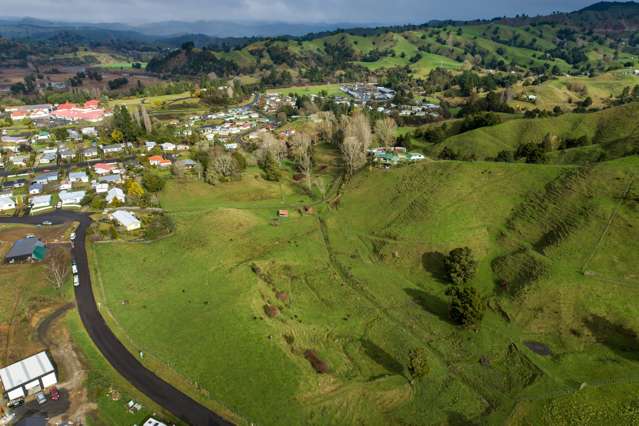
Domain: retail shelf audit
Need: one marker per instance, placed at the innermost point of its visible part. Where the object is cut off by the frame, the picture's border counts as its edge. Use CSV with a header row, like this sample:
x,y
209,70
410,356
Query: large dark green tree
x,y
123,122
467,307
461,265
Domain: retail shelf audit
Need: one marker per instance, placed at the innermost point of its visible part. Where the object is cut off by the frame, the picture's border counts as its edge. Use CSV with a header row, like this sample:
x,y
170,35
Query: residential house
x,y
187,164
65,154
149,145
106,168
113,149
71,198
182,147
91,132
48,158
36,188
44,178
78,177
101,187
126,219
115,194
18,183
159,161
168,146
42,136
6,203
153,422
112,179
415,156
74,135
40,201
18,160
90,152
65,185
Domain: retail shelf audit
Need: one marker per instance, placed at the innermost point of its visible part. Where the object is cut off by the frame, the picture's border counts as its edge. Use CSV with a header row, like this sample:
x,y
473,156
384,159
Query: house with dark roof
x,y
30,248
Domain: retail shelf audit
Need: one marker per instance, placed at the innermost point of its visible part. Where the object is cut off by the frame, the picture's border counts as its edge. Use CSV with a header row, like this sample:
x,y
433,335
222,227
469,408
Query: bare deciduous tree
x,y
326,125
357,140
302,150
270,144
386,129
58,266
146,119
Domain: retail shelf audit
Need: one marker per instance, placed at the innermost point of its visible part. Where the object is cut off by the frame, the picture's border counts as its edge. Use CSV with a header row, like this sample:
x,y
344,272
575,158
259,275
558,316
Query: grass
x,y
330,89
364,286
612,133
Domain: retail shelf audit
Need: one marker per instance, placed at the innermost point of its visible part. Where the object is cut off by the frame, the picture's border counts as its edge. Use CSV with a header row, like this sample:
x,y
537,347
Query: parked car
x,y
74,268
54,394
15,403
72,236
41,398
76,281
47,223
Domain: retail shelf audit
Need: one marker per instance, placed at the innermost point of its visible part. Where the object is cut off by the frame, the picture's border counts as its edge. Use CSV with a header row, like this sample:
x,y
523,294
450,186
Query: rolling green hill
x,y
361,284
611,133
561,42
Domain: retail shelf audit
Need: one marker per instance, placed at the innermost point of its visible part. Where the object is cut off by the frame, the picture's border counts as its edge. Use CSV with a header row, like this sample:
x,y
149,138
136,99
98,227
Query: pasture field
x,y
611,133
330,89
361,283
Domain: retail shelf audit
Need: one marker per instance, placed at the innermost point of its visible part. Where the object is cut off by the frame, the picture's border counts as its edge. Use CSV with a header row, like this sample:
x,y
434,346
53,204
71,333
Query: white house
x,y
149,145
70,198
28,376
65,185
115,194
89,131
90,152
36,188
48,158
126,219
106,168
40,201
168,146
6,203
78,177
18,160
101,188
152,422
112,149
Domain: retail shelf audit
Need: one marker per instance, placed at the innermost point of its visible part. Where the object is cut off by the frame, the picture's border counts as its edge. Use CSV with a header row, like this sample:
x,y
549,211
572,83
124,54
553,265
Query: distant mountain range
x,y
29,27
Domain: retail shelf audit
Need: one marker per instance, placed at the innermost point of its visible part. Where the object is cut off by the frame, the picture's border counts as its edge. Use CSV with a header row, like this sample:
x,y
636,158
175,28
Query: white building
x,y
126,219
28,376
68,198
100,187
115,194
78,177
168,146
40,201
6,203
152,422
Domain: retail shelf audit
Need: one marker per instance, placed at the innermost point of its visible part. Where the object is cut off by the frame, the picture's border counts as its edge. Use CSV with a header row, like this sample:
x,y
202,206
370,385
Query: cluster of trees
x,y
467,306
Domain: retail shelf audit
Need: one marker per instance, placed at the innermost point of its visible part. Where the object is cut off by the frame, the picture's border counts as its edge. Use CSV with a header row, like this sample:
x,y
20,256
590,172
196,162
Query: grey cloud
x,y
384,11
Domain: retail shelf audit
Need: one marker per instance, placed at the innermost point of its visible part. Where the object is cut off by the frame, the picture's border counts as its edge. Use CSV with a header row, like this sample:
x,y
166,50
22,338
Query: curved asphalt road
x,y
181,405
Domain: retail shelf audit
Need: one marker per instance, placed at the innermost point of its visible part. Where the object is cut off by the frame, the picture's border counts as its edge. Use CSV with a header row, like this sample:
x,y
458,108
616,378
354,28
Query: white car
x,y
74,268
72,236
76,281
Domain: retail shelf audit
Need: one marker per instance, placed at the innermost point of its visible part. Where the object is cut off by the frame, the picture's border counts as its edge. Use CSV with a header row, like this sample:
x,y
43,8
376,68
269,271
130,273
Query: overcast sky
x,y
381,11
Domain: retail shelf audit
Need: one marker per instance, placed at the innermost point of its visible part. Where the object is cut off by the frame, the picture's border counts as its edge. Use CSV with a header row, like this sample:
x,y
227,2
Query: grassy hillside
x,y
561,43
612,133
361,285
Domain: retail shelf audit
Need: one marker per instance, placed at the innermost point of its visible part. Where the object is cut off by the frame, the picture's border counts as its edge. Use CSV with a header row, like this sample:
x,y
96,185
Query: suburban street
x,y
167,396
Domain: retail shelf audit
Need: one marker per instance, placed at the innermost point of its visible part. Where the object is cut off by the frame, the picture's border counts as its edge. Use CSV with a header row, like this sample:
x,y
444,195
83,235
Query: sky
x,y
325,11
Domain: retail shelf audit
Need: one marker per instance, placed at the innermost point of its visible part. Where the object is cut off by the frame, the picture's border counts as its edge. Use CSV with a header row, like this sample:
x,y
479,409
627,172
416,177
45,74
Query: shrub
x,y
418,363
271,311
460,265
153,182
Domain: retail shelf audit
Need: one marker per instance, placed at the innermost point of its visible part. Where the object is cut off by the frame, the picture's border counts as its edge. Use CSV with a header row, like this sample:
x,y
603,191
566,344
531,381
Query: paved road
x,y
181,405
